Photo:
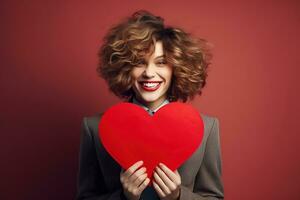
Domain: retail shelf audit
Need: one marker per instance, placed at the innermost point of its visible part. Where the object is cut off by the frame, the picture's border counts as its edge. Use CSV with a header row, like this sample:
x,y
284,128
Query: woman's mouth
x,y
150,86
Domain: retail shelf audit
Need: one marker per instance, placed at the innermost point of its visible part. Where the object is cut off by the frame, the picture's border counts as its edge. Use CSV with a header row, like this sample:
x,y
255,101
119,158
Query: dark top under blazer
x,y
99,173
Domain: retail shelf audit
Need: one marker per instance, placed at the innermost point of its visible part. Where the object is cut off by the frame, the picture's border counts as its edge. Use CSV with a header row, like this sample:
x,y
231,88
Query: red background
x,y
48,83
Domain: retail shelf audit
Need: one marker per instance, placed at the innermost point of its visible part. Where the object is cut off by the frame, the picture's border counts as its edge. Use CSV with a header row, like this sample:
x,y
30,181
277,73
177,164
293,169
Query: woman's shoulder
x,y
209,119
92,121
210,123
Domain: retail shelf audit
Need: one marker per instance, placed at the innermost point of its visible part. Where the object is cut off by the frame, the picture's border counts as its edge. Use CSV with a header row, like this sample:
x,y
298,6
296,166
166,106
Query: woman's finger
x,y
136,174
143,185
158,190
132,168
137,182
161,183
173,176
167,181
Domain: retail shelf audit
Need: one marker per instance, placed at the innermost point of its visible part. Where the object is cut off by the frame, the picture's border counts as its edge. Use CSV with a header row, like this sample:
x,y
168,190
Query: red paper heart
x,y
170,136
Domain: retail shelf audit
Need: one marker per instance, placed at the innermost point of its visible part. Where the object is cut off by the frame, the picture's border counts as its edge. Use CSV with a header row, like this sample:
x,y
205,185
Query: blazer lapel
x,y
110,168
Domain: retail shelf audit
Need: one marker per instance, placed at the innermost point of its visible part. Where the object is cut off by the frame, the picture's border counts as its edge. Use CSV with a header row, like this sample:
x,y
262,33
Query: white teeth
x,y
150,85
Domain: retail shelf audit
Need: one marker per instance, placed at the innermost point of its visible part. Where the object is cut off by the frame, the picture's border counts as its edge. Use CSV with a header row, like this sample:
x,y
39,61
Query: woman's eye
x,y
162,62
141,63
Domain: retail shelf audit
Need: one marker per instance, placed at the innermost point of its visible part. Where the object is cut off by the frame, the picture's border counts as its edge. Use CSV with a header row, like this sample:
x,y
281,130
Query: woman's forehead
x,y
156,51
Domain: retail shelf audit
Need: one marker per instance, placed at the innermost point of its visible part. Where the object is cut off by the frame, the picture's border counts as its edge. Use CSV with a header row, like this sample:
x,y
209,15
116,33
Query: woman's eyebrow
x,y
156,58
162,56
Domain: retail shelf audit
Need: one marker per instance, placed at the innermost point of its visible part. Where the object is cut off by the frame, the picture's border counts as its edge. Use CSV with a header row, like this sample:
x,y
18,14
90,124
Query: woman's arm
x,y
208,183
90,180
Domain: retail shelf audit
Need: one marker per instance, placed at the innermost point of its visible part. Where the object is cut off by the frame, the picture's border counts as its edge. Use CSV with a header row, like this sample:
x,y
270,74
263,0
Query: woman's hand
x,y
166,183
134,181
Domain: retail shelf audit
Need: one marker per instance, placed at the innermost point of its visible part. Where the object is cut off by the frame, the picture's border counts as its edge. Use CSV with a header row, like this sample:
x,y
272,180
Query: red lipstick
x,y
150,86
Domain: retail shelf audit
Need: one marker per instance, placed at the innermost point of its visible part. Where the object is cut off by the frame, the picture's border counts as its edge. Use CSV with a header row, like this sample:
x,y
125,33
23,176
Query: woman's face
x,y
152,78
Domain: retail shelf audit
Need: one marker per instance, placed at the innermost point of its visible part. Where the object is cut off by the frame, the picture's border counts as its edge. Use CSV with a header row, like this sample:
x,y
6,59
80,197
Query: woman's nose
x,y
149,71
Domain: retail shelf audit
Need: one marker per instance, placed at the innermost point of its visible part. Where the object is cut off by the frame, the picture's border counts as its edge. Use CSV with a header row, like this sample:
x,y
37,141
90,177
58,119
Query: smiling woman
x,y
131,42
149,64
152,78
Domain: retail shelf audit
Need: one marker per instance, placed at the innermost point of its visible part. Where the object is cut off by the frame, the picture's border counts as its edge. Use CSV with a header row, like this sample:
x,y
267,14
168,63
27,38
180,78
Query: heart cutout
x,y
170,136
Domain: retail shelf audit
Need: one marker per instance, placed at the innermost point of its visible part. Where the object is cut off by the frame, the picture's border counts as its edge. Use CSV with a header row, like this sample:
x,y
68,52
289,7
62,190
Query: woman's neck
x,y
152,105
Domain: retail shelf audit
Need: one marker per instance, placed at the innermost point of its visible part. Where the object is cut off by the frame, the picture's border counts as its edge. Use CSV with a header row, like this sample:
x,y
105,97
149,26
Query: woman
x,y
146,63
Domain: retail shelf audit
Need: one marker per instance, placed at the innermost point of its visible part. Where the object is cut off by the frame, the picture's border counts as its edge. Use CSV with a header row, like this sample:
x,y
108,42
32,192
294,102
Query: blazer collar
x,y
135,101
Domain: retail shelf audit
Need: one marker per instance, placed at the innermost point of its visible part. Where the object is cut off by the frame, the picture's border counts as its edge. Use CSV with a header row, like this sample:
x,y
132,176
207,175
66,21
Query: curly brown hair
x,y
128,42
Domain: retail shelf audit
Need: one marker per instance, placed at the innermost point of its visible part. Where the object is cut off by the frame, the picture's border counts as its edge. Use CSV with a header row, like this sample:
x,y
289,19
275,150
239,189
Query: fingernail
x,y
160,164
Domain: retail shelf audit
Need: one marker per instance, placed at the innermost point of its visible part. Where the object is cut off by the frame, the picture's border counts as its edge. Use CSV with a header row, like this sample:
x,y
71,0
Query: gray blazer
x,y
99,173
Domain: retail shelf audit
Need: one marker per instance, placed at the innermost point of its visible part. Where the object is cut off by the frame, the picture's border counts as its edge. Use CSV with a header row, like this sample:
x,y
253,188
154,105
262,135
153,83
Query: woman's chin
x,y
149,99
